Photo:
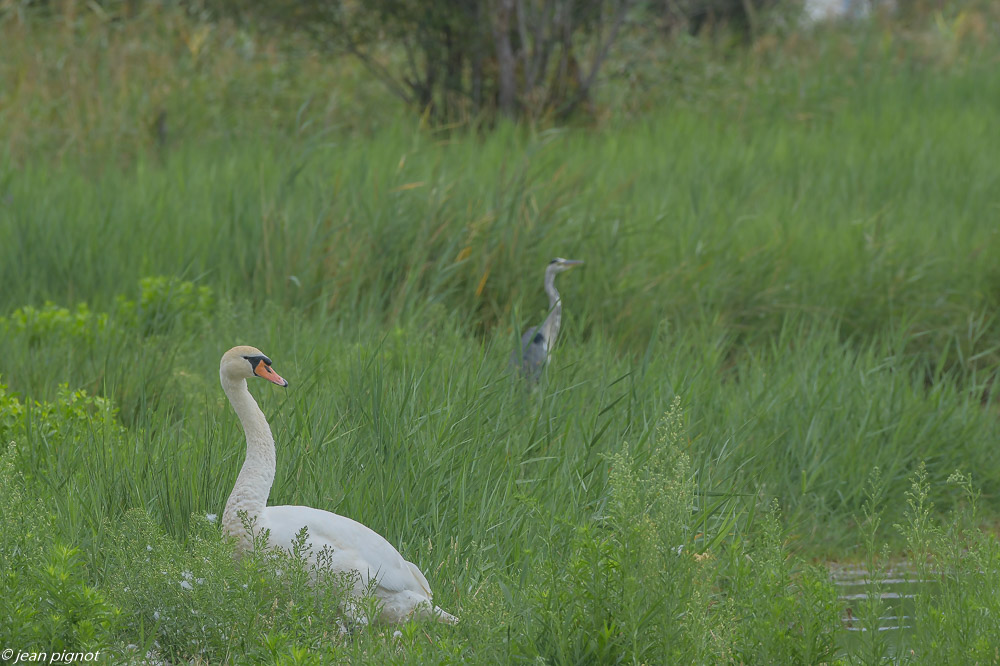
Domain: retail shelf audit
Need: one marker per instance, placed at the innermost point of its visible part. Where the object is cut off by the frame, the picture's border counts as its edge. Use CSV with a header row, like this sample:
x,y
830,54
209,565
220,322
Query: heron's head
x,y
558,265
244,362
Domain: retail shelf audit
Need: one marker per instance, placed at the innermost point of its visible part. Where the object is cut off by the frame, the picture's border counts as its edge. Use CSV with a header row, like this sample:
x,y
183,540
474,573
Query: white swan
x,y
400,587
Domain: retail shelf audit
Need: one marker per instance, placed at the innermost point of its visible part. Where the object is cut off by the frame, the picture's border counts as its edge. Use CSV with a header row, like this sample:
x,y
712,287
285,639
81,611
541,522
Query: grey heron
x,y
537,341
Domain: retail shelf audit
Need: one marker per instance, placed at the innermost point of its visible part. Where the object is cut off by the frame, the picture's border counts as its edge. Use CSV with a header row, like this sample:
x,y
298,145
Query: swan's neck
x,y
254,482
550,327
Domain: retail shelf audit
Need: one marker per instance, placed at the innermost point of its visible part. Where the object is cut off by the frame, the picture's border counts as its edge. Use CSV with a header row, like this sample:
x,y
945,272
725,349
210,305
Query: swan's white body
x,y
399,586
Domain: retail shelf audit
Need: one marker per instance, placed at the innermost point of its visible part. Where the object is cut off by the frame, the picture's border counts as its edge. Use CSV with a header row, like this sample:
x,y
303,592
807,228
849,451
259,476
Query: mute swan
x,y
537,341
400,587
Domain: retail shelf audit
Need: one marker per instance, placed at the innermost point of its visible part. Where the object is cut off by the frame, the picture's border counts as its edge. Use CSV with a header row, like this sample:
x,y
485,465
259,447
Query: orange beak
x,y
264,370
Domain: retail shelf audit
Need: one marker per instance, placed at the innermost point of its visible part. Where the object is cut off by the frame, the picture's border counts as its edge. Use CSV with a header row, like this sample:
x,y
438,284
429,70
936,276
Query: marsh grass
x,y
798,246
881,223
581,538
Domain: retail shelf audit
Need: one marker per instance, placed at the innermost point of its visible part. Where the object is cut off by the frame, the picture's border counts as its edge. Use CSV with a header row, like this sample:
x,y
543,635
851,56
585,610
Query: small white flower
x,y
156,615
679,549
186,585
200,581
187,575
148,547
212,517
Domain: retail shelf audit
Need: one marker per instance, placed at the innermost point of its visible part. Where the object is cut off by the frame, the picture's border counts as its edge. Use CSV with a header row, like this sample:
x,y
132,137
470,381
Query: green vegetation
x,y
790,282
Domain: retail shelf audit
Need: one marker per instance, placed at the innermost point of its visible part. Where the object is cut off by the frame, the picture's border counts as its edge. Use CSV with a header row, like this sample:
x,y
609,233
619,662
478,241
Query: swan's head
x,y
558,265
244,362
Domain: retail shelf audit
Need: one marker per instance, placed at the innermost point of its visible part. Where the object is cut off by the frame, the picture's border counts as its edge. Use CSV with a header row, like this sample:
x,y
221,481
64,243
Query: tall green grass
x,y
880,218
802,256
803,419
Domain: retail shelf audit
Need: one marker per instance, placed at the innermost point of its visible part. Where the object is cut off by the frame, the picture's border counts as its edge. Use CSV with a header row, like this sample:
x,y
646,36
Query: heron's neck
x,y
550,327
254,482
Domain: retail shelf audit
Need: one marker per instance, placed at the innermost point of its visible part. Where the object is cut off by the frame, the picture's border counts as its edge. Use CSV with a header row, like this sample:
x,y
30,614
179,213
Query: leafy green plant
x,y
11,414
623,581
201,601
779,611
52,321
955,613
46,602
872,648
651,516
73,411
58,427
52,425
165,302
75,615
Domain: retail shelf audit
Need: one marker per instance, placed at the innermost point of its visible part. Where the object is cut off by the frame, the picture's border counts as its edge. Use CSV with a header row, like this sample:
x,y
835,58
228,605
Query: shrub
x,y
54,322
45,601
777,615
955,613
165,302
70,414
11,414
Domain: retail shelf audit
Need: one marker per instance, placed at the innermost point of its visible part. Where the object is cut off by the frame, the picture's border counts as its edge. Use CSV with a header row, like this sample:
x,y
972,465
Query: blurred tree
x,y
694,15
459,58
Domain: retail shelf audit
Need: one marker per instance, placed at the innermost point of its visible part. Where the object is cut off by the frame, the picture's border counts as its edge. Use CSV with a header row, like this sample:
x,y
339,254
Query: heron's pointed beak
x,y
573,262
264,371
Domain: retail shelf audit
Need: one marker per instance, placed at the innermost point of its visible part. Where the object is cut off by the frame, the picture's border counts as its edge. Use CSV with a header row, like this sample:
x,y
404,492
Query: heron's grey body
x,y
534,352
537,341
